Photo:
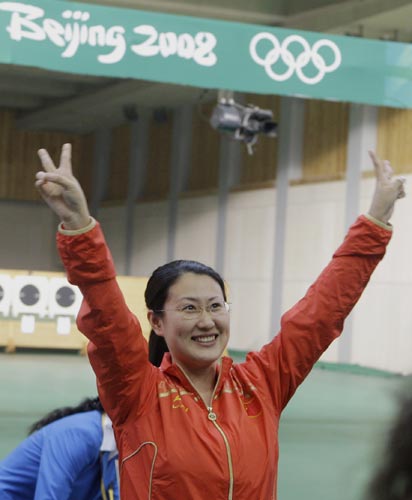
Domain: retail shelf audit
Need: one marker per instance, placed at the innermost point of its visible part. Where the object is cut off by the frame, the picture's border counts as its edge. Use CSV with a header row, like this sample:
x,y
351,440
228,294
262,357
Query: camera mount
x,y
243,123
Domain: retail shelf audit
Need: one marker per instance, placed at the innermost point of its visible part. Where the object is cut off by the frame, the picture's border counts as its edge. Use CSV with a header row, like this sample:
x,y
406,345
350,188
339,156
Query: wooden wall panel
x,y
204,175
260,168
325,140
394,138
83,160
19,161
25,163
6,122
119,164
159,158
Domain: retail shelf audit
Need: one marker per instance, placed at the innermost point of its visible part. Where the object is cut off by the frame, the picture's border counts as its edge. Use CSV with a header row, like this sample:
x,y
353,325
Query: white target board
x,y
64,299
6,293
30,296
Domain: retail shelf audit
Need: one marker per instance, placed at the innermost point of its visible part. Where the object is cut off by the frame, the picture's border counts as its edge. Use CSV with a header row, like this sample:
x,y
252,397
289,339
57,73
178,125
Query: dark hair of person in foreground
x,y
392,479
87,404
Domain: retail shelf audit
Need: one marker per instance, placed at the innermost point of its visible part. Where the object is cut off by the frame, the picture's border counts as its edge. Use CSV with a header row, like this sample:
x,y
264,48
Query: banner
x,y
125,43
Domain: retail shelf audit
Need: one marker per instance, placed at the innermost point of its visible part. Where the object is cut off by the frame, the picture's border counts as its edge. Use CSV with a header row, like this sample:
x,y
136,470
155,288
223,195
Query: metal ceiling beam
x,y
83,113
333,16
197,10
19,101
13,70
105,106
36,86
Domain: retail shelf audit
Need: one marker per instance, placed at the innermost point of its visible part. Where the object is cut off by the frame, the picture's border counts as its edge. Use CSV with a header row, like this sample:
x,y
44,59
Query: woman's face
x,y
194,342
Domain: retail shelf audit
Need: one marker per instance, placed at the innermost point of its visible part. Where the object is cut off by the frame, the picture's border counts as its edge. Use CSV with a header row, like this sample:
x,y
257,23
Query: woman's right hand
x,y
61,190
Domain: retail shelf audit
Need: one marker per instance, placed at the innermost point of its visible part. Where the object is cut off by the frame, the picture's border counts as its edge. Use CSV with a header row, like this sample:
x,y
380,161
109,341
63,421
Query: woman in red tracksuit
x,y
199,426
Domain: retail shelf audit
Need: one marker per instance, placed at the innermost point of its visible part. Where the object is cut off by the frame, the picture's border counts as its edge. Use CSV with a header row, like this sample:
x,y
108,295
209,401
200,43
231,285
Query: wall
x,y
315,227
28,236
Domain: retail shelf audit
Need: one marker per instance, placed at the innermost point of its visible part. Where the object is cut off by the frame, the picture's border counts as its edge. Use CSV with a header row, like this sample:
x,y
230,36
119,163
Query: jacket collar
x,y
172,370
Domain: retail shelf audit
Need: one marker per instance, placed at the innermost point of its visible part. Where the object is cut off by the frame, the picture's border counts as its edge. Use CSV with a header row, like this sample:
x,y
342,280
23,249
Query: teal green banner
x,y
125,43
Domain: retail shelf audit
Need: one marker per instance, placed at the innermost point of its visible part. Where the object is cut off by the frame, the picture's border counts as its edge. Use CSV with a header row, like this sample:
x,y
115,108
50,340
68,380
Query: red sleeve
x,y
117,351
309,327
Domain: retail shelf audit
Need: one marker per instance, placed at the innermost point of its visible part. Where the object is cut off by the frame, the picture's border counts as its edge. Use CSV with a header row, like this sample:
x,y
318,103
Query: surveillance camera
x,y
244,123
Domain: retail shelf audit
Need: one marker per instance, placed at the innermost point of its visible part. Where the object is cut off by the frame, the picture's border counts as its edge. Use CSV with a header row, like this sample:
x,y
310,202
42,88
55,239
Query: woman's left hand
x,y
388,189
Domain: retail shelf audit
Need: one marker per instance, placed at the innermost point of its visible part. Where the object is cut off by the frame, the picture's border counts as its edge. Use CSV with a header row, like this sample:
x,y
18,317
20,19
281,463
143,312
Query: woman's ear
x,y
155,322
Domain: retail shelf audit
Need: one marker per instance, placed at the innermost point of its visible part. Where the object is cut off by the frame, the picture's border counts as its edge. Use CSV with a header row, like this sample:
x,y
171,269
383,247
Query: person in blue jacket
x,y
70,454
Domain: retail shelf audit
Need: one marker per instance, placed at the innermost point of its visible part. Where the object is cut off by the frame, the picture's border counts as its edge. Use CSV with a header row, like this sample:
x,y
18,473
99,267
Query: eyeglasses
x,y
192,311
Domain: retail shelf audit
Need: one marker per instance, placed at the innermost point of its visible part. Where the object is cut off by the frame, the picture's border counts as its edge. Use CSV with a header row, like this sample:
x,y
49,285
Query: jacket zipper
x,y
211,415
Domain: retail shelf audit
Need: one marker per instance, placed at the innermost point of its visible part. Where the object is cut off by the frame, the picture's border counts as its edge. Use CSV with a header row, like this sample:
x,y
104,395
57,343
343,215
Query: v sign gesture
x,y
387,190
61,190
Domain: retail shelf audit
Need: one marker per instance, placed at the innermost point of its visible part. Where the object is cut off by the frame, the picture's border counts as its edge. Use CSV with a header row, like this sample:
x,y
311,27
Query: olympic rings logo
x,y
295,64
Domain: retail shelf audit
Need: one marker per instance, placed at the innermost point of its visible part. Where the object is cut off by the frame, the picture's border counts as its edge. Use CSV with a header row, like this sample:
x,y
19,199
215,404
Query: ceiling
x,y
47,100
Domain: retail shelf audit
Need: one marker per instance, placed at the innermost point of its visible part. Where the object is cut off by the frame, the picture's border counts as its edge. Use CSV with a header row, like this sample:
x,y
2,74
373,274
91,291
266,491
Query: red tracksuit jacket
x,y
171,446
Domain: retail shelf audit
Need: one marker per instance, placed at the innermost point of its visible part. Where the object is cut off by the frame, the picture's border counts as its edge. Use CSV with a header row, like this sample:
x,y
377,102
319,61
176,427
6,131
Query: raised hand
x,y
388,189
61,190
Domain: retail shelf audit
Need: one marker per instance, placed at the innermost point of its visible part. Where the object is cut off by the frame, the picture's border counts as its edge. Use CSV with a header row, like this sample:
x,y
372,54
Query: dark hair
x,y
86,405
157,290
393,478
